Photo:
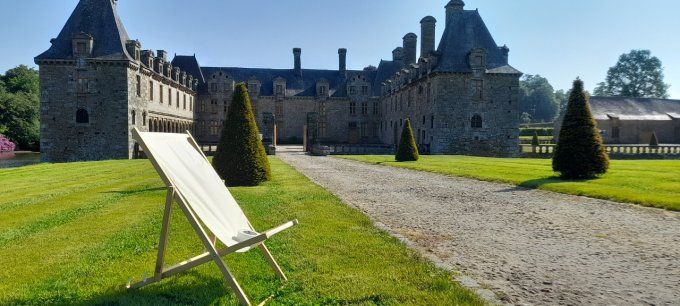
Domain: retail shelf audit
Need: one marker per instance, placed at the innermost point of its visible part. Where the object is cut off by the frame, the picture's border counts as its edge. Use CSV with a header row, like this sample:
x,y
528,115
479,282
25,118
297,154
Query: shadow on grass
x,y
538,183
135,192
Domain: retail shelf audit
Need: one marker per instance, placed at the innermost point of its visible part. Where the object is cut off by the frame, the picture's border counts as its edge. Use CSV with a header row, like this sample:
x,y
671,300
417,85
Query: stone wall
x,y
639,131
101,91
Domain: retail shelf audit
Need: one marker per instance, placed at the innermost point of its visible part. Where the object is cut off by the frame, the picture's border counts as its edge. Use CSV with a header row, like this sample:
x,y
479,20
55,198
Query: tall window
x,y
82,116
476,122
364,108
214,87
191,103
364,90
478,89
144,118
279,89
352,108
352,90
151,91
161,93
82,86
139,86
133,116
81,48
213,106
184,106
616,132
364,130
322,90
322,109
279,110
169,96
376,108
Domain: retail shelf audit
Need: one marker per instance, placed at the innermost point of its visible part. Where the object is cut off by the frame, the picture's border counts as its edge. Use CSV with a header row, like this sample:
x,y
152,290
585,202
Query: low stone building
x,y
633,120
97,84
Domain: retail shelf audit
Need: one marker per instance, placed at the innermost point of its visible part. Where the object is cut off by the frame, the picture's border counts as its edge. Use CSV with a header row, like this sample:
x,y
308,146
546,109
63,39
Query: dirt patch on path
x,y
528,246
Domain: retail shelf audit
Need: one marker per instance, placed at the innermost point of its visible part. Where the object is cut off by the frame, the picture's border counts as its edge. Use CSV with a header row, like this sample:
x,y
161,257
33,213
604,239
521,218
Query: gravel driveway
x,y
527,246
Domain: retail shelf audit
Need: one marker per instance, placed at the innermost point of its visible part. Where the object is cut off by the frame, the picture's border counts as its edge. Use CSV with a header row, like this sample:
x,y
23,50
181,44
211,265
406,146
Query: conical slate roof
x,y
464,32
98,18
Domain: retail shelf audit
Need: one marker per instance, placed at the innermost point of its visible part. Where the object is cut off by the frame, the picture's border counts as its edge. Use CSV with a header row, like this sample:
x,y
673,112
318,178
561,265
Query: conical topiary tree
x,y
580,153
407,150
654,142
240,158
534,141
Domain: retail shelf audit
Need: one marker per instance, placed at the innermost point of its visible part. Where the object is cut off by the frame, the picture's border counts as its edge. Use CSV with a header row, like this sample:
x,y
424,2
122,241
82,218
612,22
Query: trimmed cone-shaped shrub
x,y
240,158
534,141
580,153
654,142
407,150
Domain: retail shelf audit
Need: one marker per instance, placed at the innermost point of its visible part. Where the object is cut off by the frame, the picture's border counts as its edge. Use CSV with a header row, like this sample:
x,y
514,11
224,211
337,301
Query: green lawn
x,y
646,182
75,233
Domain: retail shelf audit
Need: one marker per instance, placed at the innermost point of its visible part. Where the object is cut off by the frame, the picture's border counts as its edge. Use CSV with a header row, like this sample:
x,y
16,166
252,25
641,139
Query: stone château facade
x,y
97,84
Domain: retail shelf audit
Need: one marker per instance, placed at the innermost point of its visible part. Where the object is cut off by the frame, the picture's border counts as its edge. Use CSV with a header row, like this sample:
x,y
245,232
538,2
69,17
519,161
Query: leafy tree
x,y
22,79
654,142
580,153
240,158
407,150
20,107
538,98
637,74
526,118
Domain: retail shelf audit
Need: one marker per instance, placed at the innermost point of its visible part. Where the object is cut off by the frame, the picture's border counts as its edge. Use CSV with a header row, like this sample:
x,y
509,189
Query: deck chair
x,y
207,204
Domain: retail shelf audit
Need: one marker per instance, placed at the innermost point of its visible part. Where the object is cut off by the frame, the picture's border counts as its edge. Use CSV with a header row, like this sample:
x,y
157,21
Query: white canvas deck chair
x,y
210,208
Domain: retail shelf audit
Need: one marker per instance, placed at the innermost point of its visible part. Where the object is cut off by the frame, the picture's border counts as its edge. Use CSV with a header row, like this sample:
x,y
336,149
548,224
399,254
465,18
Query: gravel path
x,y
528,246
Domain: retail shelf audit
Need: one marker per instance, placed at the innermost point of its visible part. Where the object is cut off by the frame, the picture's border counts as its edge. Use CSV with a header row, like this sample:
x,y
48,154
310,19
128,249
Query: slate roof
x,y
190,65
386,70
466,31
98,18
605,108
296,85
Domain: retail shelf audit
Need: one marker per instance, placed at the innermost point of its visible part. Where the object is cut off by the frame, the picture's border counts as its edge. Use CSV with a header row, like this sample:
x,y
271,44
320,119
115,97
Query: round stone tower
x,y
427,35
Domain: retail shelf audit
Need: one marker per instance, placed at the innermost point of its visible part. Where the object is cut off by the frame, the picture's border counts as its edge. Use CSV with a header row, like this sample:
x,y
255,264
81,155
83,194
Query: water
x,y
18,159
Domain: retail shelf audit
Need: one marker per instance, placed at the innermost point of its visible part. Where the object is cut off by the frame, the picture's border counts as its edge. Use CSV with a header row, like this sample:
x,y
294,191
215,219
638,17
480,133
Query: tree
x,y
240,158
526,118
22,79
20,107
407,150
637,74
538,98
654,142
580,153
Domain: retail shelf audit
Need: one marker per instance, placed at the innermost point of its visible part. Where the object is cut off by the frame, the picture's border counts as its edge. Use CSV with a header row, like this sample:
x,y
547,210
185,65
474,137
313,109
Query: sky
x,y
560,40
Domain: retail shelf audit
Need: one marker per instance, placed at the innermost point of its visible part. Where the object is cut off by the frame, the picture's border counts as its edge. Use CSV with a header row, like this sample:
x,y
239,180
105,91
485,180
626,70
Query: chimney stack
x,y
343,60
410,48
297,52
398,54
453,7
506,52
427,35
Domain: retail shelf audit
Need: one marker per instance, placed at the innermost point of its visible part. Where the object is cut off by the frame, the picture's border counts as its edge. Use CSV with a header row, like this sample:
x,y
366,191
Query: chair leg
x,y
272,262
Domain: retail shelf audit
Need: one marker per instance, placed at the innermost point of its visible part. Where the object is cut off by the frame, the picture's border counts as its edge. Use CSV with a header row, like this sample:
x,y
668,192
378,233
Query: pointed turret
x,y
97,19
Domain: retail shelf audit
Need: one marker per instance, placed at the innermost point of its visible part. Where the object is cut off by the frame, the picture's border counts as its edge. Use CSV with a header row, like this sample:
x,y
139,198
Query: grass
x,y
645,182
75,233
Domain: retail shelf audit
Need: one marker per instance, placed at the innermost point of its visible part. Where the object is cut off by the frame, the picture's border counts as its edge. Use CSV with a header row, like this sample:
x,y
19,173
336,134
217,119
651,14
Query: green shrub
x,y
407,150
580,153
241,159
534,141
654,142
540,131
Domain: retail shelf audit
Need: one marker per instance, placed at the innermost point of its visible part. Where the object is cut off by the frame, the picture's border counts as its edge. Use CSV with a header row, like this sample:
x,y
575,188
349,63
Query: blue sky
x,y
557,39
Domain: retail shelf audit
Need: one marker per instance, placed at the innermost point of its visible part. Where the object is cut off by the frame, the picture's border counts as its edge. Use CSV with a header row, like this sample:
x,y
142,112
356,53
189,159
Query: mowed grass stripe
x,y
335,256
646,182
54,251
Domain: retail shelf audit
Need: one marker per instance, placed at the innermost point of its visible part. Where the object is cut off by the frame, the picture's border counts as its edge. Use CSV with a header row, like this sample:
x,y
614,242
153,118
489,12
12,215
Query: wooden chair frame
x,y
212,254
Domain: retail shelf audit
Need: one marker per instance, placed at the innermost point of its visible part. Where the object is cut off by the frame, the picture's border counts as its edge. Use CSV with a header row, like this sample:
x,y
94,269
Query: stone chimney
x,y
453,7
427,35
505,51
342,54
162,54
410,48
398,54
297,53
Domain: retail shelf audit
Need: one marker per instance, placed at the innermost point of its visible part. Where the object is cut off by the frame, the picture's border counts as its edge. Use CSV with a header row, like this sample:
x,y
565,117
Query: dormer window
x,y
82,45
322,90
279,89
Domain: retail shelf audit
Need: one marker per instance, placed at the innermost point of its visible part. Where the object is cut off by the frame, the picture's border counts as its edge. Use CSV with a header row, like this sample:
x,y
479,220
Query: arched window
x,y
82,116
144,118
476,122
134,117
